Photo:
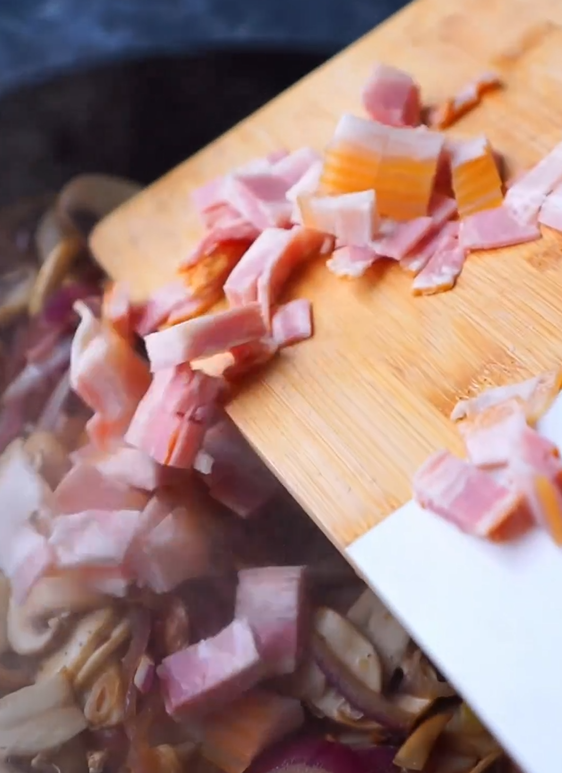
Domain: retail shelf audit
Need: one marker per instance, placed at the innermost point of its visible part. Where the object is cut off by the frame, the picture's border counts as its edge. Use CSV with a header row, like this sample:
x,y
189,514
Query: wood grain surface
x,y
345,418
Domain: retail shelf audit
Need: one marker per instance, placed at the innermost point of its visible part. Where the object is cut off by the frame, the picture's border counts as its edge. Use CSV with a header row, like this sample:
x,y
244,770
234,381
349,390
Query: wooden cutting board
x,y
345,419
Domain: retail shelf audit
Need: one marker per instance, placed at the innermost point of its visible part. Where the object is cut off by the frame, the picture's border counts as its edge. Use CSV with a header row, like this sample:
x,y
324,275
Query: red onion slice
x,y
311,755
349,663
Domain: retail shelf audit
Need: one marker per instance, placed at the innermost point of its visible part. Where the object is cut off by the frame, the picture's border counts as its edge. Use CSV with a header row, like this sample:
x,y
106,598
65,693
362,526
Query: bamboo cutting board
x,y
345,419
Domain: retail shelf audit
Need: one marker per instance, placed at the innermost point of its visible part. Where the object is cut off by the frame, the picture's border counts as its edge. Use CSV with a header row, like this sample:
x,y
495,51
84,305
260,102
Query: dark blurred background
x,y
132,87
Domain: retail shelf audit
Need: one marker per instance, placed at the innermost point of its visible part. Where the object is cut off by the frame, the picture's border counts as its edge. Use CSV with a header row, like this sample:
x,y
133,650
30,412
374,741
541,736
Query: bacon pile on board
x,y
511,478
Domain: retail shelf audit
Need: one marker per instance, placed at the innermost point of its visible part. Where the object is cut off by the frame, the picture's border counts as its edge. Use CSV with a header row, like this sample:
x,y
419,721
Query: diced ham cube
x,y
292,323
352,261
205,336
249,356
93,537
392,97
470,498
178,548
212,673
238,478
272,600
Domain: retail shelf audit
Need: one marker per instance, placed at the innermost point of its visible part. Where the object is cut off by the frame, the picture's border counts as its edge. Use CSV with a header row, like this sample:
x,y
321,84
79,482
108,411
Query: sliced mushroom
x,y
16,288
51,231
94,638
59,596
17,226
48,456
39,718
383,630
89,197
26,635
54,269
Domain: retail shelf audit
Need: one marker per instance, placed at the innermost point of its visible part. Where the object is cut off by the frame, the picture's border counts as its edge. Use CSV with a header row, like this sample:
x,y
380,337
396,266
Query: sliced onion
x,y
349,647
311,755
39,718
144,675
378,759
140,620
349,663
487,762
381,628
465,734
414,753
420,679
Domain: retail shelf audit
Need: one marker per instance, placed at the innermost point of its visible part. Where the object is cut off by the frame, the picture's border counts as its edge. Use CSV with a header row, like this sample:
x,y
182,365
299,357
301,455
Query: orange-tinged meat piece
x,y
476,180
537,395
470,498
549,499
466,99
407,171
211,271
399,163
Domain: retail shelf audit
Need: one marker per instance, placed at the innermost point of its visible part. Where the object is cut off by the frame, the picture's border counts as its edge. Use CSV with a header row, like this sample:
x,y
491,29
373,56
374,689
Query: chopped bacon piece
x,y
93,537
249,356
238,230
467,98
260,197
306,186
350,217
445,238
211,197
178,548
526,195
119,311
205,336
293,167
238,478
402,237
440,272
105,371
493,228
234,737
292,323
272,600
551,210
537,395
160,305
209,274
392,97
268,263
210,674
85,487
470,498
172,432
132,467
490,436
24,496
304,245
476,180
352,261
399,163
